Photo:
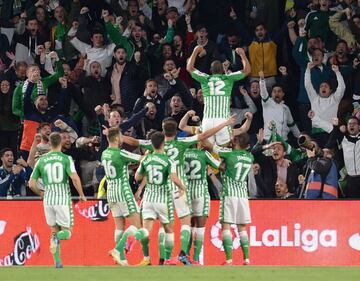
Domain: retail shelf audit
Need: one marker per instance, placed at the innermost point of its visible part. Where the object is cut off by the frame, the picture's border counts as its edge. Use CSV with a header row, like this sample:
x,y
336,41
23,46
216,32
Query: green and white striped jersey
x,y
196,162
175,149
55,168
115,162
216,90
157,167
238,165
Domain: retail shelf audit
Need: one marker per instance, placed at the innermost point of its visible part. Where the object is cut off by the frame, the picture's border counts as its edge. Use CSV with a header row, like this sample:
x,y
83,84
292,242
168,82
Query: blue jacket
x,y
8,179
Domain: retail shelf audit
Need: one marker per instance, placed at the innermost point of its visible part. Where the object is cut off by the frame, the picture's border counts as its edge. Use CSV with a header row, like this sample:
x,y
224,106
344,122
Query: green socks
x,y
64,234
143,235
192,233
227,243
169,245
185,237
131,230
244,240
57,255
199,239
161,243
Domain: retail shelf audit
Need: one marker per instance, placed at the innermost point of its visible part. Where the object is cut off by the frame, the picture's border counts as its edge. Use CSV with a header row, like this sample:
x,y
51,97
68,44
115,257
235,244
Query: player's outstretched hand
x,y
82,198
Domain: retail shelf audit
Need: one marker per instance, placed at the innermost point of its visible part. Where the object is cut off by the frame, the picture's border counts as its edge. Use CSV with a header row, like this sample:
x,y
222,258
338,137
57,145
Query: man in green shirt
x,y
196,166
157,202
41,84
234,204
119,195
217,89
55,168
175,149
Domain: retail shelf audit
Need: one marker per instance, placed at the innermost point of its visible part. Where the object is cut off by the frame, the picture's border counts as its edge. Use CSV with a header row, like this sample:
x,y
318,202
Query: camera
x,y
304,141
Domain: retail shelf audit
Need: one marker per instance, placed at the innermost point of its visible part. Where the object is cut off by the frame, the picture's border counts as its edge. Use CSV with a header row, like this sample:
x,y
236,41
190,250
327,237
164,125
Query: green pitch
x,y
169,273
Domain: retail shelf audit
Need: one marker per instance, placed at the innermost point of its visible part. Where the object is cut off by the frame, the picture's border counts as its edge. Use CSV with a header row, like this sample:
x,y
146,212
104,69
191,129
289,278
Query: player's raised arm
x,y
77,183
244,60
246,126
130,141
213,131
190,67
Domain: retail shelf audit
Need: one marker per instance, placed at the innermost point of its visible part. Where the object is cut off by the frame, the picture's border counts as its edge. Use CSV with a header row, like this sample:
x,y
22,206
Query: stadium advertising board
x,y
282,233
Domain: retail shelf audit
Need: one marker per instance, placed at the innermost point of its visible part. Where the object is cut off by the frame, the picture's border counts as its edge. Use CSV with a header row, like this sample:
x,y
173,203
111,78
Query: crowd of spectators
x,y
95,63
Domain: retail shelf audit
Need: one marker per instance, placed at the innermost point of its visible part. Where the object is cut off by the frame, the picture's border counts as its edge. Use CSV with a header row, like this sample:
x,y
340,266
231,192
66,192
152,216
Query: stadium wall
x,y
282,233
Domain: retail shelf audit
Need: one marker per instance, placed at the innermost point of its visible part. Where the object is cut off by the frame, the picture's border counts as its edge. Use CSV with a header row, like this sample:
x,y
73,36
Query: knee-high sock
x,y
161,243
64,234
118,233
227,243
169,245
192,234
56,255
244,240
143,235
131,230
185,237
199,239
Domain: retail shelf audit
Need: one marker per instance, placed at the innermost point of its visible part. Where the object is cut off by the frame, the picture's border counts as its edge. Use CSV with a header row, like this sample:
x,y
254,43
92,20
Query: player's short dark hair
x,y
55,139
170,126
4,150
113,133
243,140
216,67
157,139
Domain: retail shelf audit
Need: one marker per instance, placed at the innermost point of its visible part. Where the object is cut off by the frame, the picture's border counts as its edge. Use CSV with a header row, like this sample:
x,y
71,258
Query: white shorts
x,y
160,211
234,210
201,206
223,136
182,207
61,215
122,209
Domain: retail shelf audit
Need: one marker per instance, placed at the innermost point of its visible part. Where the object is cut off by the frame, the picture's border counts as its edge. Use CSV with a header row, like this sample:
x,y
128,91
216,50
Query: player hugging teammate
x,y
174,175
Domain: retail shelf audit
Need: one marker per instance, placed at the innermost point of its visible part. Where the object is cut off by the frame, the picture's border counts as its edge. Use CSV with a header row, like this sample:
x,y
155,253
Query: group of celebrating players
x,y
173,173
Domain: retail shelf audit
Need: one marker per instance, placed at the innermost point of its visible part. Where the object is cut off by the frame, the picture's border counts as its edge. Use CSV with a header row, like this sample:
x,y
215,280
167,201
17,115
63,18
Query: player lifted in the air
x,y
158,170
175,149
234,202
119,195
216,90
55,168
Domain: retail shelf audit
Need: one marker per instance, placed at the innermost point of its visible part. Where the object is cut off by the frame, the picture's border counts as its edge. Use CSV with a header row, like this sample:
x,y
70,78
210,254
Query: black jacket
x,y
268,172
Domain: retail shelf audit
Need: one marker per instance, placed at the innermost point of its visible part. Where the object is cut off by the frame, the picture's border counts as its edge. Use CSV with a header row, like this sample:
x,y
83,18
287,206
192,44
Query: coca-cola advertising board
x,y
281,233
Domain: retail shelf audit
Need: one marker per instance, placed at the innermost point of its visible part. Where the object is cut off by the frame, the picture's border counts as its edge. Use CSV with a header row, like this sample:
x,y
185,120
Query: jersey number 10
x,y
54,172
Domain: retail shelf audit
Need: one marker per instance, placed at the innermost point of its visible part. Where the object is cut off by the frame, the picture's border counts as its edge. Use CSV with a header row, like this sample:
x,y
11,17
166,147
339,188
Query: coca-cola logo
x,y
97,212
25,245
